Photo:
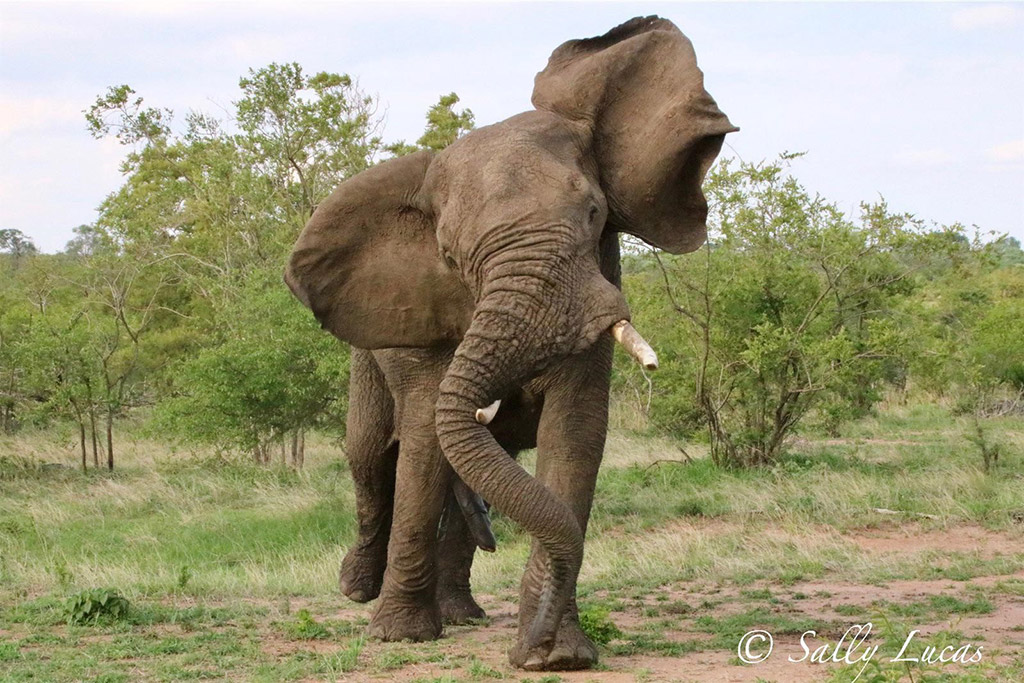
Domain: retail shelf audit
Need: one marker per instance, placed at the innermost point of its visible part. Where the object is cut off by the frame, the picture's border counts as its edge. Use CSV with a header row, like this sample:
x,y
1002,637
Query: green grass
x,y
230,569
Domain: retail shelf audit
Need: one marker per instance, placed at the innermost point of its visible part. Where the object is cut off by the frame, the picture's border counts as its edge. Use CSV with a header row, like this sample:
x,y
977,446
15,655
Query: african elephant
x,y
490,272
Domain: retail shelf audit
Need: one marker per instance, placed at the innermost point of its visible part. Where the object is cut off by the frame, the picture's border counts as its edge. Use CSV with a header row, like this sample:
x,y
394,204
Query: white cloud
x,y
985,16
1007,151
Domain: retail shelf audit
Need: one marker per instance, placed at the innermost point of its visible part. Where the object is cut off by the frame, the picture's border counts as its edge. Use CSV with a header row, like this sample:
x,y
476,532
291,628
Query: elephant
x,y
479,288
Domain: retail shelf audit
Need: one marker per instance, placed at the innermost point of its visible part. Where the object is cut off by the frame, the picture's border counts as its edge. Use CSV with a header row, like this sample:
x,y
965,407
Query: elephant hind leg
x,y
373,455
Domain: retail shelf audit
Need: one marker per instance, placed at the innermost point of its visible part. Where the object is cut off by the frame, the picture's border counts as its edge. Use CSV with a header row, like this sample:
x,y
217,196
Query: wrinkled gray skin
x,y
491,271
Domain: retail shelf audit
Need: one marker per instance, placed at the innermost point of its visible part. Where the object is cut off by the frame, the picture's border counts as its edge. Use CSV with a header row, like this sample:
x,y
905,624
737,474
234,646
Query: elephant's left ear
x,y
367,263
655,129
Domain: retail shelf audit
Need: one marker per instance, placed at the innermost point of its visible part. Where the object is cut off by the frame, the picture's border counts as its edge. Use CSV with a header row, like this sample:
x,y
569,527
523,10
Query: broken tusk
x,y
485,415
634,344
474,510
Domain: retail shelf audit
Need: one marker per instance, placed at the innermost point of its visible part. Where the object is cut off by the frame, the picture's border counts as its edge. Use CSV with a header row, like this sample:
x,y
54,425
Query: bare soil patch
x,y
913,538
836,605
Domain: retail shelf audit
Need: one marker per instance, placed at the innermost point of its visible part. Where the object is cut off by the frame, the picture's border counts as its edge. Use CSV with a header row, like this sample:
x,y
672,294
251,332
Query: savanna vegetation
x,y
834,436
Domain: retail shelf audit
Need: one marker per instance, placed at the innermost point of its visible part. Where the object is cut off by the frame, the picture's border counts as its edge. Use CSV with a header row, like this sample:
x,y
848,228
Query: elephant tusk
x,y
474,510
634,344
485,415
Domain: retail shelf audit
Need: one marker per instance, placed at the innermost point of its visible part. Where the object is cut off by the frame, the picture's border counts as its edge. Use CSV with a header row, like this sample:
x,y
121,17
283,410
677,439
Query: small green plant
x,y
9,652
62,573
478,669
95,604
305,627
184,576
598,626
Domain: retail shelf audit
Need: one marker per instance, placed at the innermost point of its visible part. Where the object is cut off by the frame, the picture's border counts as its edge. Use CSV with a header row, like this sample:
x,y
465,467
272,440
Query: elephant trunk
x,y
520,325
489,361
532,311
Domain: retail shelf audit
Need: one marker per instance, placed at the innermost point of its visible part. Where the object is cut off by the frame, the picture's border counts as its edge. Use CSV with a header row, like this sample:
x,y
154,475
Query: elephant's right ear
x,y
367,263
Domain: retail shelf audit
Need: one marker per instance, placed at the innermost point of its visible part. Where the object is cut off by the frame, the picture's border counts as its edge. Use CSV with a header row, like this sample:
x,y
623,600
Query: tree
x,y
784,310
15,247
274,375
15,325
444,126
305,134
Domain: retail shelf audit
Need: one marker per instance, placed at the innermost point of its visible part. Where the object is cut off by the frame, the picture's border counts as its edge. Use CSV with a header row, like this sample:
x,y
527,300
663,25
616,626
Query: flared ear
x,y
656,131
367,263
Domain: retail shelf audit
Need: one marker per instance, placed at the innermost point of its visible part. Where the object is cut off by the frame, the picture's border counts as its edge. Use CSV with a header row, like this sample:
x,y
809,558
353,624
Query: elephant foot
x,y
458,606
395,620
572,651
362,574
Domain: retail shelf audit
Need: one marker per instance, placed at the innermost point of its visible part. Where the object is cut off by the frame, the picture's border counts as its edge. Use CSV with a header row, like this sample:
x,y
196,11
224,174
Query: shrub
x,y
787,308
597,626
95,604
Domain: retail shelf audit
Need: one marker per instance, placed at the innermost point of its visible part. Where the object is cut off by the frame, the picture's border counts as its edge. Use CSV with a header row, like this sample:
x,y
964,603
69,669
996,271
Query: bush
x,y
273,374
787,308
95,604
305,627
597,626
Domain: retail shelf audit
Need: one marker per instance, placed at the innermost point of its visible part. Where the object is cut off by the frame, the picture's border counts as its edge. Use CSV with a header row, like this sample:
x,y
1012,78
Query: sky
x,y
922,104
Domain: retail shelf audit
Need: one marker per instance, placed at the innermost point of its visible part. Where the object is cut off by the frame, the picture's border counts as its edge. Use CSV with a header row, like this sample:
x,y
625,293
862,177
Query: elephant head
x,y
492,247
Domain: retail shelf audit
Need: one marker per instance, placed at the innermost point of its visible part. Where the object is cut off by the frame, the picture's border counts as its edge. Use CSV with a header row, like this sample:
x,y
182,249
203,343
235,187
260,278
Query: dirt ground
x,y
835,605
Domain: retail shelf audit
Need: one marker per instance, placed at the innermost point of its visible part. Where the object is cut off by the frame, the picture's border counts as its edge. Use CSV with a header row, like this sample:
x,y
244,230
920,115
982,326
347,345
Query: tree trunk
x,y
110,439
81,440
298,448
284,452
81,433
92,430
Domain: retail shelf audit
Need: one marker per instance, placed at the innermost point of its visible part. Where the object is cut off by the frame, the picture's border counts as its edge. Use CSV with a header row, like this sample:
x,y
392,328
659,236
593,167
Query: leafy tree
x,y
444,126
786,309
15,324
15,247
305,134
211,214
967,318
273,375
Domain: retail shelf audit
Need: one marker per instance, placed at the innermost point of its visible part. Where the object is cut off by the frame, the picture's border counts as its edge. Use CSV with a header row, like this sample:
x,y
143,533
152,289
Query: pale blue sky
x,y
920,103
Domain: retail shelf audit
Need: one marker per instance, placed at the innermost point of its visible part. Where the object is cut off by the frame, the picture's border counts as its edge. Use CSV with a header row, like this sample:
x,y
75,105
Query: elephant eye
x,y
449,261
593,214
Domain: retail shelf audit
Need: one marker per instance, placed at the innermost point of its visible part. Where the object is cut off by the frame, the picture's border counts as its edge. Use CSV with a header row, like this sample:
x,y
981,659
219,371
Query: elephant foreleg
x,y
408,608
570,445
372,456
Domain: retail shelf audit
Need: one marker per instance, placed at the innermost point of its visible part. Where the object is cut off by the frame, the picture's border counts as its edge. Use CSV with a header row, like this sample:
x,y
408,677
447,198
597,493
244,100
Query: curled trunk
x,y
496,354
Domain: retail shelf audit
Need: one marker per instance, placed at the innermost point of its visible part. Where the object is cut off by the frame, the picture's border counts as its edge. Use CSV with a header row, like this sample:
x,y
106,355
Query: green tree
x,y
305,134
273,376
15,247
211,214
785,310
444,126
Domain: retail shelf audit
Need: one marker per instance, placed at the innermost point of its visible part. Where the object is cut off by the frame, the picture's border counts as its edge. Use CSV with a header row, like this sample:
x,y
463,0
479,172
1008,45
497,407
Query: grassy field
x,y
230,570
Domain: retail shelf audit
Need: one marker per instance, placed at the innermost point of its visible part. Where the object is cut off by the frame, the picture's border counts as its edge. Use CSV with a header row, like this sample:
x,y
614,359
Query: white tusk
x,y
635,345
485,415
